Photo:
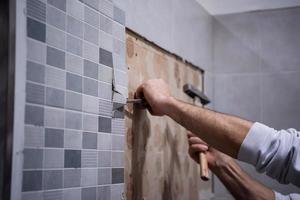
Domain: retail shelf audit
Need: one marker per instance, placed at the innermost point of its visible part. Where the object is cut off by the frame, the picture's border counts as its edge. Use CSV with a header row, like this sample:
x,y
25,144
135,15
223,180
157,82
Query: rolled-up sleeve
x,y
293,196
274,152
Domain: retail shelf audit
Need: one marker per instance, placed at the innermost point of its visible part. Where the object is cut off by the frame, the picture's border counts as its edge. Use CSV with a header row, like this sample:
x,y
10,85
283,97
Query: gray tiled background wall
x,y
73,144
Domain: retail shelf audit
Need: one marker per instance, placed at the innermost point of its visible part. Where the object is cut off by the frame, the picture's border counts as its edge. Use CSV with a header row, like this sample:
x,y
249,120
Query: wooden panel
x,y
157,165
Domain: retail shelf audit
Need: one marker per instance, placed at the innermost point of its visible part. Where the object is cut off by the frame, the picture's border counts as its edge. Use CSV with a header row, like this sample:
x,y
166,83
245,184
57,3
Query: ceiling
x,y
218,7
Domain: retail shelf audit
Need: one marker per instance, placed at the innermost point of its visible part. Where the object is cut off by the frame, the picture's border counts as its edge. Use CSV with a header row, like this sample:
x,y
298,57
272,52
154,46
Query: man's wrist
x,y
170,104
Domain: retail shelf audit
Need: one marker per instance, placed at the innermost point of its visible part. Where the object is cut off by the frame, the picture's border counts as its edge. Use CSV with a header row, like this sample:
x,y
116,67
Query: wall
x,y
256,72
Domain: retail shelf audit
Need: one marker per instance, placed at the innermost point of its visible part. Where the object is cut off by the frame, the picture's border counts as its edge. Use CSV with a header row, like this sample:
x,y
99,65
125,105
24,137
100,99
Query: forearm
x,y
224,132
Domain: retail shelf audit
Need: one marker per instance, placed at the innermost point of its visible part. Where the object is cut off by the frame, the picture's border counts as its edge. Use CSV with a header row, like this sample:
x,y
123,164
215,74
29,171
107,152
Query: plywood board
x,y
157,166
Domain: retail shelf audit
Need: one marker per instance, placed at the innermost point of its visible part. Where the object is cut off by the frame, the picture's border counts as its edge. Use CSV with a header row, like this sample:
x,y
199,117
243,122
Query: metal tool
x,y
194,93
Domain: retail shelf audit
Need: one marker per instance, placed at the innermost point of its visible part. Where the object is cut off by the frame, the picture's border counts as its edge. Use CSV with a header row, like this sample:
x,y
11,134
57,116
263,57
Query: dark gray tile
x,y
89,140
91,34
91,17
73,101
52,179
56,18
55,97
104,176
74,27
72,178
119,15
105,24
35,93
32,180
36,9
90,69
60,4
117,175
90,87
104,158
104,124
53,195
35,72
36,30
74,45
72,158
34,115
88,193
104,192
54,137
55,57
74,82
73,120
105,57
33,159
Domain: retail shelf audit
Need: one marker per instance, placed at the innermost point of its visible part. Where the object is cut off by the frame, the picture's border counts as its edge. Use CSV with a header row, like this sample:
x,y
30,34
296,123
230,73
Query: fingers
x,y
196,140
139,93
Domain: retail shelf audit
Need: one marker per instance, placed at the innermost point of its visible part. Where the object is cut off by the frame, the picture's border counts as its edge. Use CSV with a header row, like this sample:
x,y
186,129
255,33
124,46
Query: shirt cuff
x,y
254,143
279,196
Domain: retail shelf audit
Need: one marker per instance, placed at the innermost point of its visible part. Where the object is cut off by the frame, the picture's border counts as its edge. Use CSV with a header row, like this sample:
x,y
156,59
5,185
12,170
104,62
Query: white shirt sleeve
x,y
275,152
279,196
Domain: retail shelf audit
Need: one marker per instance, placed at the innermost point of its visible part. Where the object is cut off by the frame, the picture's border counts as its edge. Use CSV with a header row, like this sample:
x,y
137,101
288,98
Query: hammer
x,y
195,94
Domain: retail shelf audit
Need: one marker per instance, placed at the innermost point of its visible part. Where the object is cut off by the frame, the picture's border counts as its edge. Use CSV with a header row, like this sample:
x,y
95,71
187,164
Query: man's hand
x,y
157,94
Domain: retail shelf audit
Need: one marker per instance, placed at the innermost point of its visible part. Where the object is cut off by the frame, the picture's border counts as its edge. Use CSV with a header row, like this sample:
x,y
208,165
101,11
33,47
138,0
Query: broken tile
x,y
117,191
118,31
36,30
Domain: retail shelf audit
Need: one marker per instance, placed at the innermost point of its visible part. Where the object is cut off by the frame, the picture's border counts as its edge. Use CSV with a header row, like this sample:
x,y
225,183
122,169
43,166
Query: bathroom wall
x,y
256,68
70,73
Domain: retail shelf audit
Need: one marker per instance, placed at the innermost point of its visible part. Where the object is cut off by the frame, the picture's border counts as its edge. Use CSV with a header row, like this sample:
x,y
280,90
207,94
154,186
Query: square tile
x,y
118,111
36,30
90,123
118,126
72,178
119,62
35,93
54,158
105,57
75,9
52,179
36,51
33,159
104,124
74,82
105,24
55,37
88,159
106,8
92,3
54,138
34,136
72,158
73,120
74,45
104,158
118,31
73,139
88,193
55,77
118,142
72,194
74,64
88,177
54,118
32,180
90,87
119,47
36,9
91,34
104,141
60,4
105,91
120,78
90,69
73,101
104,176
55,57
117,175
55,97
91,52
105,108
117,159
105,74
53,195
117,191
104,192
119,98
35,72
74,27
32,195
106,41
34,115
89,140
90,104
56,18
91,17
119,15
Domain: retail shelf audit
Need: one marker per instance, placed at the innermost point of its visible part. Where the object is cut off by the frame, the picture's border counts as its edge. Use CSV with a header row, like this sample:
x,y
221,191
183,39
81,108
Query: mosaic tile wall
x,y
76,76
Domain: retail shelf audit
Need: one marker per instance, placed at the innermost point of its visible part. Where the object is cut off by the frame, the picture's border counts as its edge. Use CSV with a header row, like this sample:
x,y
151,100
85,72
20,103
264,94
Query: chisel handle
x,y
204,174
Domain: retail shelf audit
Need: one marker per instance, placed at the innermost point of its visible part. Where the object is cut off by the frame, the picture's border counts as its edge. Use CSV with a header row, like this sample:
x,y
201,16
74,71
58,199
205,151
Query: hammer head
x,y
193,92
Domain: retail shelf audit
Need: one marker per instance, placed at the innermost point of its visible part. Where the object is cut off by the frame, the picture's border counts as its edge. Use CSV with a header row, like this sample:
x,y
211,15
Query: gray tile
x,y
120,78
36,9
72,178
89,159
36,30
106,7
74,82
55,77
60,4
118,143
117,175
75,9
55,37
72,158
54,118
119,47
104,192
73,120
54,138
91,52
92,3
119,98
36,51
88,193
91,34
56,18
105,24
74,45
118,31
34,115
52,179
119,62
32,196
90,69
32,180
74,64
90,87
117,191
55,57
74,27
104,124
105,57
90,123
90,104
118,126
35,72
106,41
105,91
119,15
89,140
105,108
105,74
91,17
53,195
35,93
104,158
34,136
53,158
88,177
73,101
117,159
33,159
104,141
73,139
72,194
104,176
55,97
118,112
